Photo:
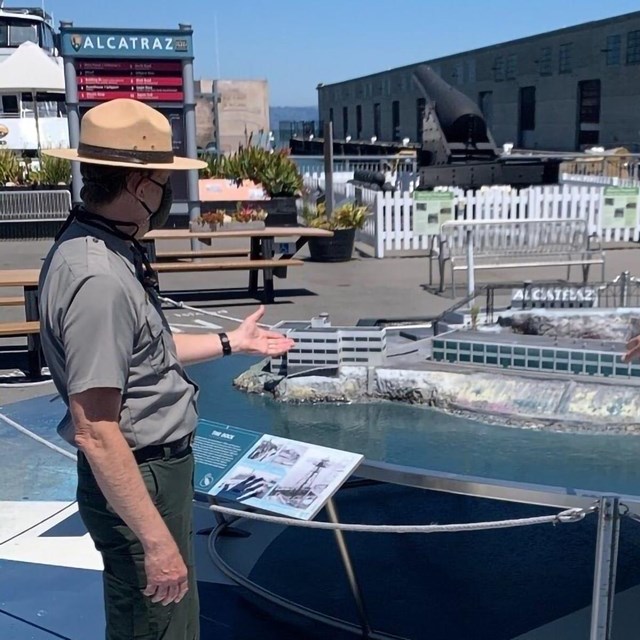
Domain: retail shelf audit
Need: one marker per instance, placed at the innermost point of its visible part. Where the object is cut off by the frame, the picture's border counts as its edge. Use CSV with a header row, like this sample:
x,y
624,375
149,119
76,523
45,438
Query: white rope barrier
x,y
37,438
567,516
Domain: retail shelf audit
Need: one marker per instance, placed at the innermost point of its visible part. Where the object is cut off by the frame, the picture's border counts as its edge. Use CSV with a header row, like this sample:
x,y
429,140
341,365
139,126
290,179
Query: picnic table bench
x,y
511,244
264,245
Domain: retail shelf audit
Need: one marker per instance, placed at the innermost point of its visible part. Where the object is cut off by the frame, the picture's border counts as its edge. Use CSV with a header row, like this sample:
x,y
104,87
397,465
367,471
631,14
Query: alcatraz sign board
x,y
125,43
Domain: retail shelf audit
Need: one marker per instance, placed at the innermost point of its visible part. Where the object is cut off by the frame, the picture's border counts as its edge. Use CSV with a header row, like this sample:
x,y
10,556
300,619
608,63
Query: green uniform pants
x,y
130,614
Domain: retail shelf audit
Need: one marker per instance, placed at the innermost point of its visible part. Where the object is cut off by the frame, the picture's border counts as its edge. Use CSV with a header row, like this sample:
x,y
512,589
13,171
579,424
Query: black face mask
x,y
159,217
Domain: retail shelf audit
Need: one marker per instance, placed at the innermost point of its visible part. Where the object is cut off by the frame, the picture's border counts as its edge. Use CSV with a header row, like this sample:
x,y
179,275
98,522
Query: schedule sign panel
x,y
146,80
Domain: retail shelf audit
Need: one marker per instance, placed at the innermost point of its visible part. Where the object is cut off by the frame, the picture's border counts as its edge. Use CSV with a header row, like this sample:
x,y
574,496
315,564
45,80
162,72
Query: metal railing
x,y
32,214
314,164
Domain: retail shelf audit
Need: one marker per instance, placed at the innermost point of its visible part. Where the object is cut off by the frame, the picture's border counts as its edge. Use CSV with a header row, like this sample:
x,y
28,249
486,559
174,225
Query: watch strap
x,y
226,345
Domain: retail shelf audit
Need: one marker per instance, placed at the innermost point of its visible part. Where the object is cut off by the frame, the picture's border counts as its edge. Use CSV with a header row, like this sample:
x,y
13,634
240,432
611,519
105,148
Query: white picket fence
x,y
389,230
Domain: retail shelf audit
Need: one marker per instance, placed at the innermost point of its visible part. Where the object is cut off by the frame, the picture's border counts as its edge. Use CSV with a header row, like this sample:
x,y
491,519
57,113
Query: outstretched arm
x,y
248,338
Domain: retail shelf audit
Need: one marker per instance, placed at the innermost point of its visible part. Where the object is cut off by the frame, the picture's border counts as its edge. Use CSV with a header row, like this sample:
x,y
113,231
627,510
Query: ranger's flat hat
x,y
126,133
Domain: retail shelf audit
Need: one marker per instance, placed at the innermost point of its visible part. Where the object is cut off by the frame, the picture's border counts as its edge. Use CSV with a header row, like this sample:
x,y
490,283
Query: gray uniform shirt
x,y
101,328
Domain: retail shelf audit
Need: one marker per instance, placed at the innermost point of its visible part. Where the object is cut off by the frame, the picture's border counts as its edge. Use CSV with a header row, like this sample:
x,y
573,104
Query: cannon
x,y
457,148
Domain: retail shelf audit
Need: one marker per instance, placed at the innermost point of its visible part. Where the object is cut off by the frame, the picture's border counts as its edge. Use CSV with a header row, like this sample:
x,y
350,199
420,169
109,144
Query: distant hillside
x,y
295,114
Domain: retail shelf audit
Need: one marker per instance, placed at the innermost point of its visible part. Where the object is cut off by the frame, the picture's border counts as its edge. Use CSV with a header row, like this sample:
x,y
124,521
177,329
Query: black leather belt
x,y
174,449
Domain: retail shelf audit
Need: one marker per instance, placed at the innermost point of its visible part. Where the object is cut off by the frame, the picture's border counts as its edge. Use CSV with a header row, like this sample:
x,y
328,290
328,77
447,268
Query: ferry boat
x,y
18,122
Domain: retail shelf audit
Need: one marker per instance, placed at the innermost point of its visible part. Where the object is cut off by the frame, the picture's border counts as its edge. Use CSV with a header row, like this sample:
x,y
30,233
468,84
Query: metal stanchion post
x,y
471,276
604,580
349,570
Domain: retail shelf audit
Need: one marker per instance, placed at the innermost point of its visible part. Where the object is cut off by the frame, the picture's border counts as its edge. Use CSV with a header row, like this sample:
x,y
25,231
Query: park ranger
x,y
131,407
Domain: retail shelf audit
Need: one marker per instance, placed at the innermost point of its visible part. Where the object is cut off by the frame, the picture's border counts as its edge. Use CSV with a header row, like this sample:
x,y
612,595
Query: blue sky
x,y
295,44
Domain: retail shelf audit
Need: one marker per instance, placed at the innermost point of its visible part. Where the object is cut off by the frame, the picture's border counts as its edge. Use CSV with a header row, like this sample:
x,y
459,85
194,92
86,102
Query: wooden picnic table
x,y
27,279
263,244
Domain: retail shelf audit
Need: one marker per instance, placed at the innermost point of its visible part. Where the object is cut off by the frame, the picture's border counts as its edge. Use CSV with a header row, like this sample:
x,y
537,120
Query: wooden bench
x,y
12,301
204,253
30,330
510,244
18,329
269,267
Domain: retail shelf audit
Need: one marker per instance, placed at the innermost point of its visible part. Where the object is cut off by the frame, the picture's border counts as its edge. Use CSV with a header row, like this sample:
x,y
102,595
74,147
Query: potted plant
x,y
208,221
281,179
12,169
345,220
51,173
245,217
275,171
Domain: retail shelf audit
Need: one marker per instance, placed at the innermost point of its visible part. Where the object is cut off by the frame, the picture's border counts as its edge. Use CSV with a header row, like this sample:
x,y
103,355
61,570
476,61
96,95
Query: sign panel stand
x,y
279,475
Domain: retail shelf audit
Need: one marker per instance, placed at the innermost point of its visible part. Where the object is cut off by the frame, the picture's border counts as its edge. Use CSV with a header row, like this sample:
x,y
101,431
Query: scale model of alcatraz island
x,y
550,357
555,368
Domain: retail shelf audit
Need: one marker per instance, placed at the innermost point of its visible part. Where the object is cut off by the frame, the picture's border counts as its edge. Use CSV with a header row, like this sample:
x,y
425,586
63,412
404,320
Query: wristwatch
x,y
226,345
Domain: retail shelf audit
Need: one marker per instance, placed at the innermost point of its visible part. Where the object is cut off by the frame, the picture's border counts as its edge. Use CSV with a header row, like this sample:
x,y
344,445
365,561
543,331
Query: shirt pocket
x,y
156,352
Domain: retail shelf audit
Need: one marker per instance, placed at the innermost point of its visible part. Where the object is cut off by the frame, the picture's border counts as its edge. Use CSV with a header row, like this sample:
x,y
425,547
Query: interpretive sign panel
x,y
431,209
620,208
275,474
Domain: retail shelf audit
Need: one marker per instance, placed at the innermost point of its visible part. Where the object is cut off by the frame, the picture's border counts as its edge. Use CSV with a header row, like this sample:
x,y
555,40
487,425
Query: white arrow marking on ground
x,y
77,552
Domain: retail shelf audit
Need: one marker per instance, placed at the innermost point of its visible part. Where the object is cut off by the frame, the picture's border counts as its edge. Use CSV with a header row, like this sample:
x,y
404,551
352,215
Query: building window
x,y
527,108
471,70
421,105
613,49
545,63
512,64
376,120
458,73
345,121
395,120
485,102
498,69
589,101
359,122
564,58
633,47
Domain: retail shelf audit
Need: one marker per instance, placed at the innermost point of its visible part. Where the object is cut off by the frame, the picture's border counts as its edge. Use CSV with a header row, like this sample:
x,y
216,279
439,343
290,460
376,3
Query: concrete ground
x,y
362,288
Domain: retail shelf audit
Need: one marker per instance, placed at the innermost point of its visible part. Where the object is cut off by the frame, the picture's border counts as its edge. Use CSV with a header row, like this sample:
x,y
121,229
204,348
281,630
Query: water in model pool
x,y
427,439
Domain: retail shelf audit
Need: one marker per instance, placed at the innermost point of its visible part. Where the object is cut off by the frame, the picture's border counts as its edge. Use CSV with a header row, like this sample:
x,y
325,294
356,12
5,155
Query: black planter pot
x,y
282,212
339,248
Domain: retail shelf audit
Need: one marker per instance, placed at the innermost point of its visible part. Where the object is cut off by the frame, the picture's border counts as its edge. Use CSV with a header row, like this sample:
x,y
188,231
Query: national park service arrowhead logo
x,y
76,42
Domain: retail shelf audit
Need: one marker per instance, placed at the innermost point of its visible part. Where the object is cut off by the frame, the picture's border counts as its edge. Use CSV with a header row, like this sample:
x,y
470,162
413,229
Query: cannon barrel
x,y
460,117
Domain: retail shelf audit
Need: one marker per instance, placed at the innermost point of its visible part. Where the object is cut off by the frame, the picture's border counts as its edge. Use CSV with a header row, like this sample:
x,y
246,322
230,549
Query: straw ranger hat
x,y
126,133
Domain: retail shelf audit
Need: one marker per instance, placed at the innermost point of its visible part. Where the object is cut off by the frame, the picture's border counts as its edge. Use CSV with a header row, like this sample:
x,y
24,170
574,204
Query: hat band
x,y
133,156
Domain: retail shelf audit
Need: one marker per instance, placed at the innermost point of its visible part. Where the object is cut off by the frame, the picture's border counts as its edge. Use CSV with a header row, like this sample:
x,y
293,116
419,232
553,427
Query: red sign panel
x,y
149,81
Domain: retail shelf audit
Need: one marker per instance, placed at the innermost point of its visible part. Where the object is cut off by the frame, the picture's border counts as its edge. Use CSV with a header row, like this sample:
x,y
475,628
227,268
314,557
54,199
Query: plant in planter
x,y
12,171
244,217
274,171
52,172
344,222
209,221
